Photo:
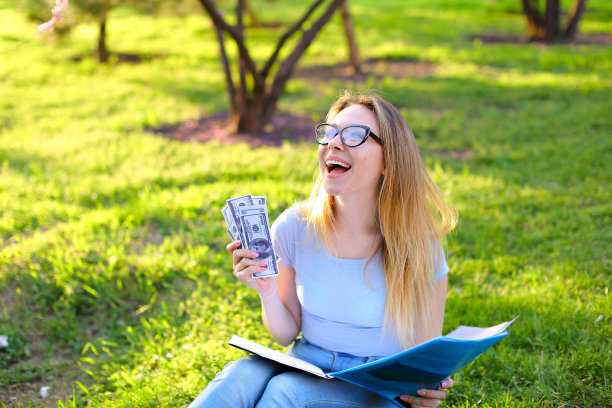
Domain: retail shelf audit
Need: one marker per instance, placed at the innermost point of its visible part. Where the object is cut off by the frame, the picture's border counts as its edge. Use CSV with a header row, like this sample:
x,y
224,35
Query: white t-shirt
x,y
342,309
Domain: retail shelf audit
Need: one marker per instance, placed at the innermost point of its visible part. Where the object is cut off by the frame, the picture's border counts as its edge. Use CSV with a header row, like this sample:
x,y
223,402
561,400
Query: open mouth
x,y
337,167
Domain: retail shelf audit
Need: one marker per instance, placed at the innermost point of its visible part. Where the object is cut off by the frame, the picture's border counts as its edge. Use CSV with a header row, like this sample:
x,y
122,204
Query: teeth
x,y
330,162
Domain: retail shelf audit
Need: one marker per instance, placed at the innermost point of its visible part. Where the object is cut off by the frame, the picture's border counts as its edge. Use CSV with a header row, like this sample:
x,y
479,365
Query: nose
x,y
336,143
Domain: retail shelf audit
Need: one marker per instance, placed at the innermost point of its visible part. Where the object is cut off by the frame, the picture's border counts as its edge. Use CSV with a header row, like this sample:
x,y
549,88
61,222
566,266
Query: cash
x,y
247,220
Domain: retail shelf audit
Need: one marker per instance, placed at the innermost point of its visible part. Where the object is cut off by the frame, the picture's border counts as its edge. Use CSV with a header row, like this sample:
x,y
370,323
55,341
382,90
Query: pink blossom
x,y
49,26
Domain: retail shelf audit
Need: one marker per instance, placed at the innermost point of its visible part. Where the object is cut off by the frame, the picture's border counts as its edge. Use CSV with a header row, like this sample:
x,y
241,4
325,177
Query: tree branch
x,y
353,50
574,17
249,64
287,66
226,68
240,27
266,70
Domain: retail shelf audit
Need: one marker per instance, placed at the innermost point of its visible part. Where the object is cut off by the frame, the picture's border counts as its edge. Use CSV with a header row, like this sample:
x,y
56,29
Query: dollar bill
x,y
232,229
257,238
233,205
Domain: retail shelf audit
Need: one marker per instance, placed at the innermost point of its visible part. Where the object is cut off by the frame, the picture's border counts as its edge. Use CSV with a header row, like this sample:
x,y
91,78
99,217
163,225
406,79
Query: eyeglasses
x,y
351,136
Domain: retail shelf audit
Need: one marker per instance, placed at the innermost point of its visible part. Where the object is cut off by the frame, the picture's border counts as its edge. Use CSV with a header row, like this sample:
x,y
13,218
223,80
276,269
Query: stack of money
x,y
247,220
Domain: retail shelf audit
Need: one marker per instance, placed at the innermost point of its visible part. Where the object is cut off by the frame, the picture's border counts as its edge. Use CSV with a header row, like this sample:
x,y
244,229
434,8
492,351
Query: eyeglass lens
x,y
351,136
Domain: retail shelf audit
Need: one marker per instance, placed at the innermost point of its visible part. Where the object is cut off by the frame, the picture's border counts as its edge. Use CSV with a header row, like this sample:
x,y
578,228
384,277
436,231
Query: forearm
x,y
278,320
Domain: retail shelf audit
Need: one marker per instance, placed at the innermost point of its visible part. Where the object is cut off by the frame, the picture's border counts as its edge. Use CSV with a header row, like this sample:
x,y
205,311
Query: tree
x,y
545,25
254,98
96,10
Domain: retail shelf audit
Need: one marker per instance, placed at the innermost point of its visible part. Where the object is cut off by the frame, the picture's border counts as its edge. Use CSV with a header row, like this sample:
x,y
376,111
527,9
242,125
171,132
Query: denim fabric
x,y
256,382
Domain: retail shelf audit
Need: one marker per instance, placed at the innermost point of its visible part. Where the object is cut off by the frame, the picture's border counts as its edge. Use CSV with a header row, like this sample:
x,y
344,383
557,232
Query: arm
x,y
280,306
431,398
281,311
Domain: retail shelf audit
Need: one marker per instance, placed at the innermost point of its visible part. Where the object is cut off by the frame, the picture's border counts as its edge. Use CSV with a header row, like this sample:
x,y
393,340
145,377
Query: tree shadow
x,y
371,68
493,37
121,58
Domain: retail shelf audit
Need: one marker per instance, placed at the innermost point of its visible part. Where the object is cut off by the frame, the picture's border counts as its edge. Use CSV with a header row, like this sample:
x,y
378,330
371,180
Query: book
x,y
423,366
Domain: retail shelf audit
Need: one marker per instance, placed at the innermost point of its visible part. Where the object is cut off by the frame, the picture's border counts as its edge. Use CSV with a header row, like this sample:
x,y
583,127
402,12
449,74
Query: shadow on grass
x,y
120,58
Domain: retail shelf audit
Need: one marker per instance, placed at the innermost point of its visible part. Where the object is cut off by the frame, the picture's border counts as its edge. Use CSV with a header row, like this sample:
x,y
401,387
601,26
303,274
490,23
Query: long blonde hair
x,y
412,216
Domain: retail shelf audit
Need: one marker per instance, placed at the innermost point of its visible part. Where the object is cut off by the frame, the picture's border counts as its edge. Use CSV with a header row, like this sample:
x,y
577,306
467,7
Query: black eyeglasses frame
x,y
339,131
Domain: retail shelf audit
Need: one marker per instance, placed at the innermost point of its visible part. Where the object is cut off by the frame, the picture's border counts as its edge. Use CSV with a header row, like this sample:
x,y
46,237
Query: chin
x,y
331,190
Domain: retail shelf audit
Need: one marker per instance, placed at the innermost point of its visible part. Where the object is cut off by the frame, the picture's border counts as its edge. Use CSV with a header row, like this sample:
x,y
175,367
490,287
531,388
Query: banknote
x,y
232,229
256,237
260,200
233,205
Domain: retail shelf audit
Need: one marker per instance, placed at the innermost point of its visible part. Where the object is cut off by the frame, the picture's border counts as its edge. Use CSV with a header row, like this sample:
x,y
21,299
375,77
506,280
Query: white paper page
x,y
277,356
478,333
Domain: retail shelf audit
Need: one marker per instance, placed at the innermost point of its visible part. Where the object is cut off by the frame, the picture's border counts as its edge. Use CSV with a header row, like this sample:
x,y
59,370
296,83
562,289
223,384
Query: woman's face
x,y
362,165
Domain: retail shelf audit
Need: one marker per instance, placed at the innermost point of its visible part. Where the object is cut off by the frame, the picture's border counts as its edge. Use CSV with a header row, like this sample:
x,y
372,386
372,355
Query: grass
x,y
115,288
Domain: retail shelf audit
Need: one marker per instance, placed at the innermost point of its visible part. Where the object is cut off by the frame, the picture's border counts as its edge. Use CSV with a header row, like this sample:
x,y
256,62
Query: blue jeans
x,y
253,381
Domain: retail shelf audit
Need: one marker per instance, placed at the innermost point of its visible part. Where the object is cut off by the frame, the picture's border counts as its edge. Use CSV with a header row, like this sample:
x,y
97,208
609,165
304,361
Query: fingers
x,y
232,246
243,255
244,263
446,384
245,269
427,398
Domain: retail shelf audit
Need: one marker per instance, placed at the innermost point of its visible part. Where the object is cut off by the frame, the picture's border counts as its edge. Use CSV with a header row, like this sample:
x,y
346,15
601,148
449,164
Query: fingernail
x,y
444,384
421,393
255,254
263,263
405,398
262,269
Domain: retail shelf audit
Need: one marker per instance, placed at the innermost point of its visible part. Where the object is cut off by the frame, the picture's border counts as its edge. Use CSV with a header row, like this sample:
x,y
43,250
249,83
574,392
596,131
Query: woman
x,y
362,271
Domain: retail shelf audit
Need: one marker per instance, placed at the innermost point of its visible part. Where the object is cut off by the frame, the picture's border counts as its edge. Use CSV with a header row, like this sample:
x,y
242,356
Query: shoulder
x,y
290,222
441,268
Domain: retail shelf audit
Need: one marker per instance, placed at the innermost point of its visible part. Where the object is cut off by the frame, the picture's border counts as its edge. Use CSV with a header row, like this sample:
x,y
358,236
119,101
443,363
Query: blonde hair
x,y
412,216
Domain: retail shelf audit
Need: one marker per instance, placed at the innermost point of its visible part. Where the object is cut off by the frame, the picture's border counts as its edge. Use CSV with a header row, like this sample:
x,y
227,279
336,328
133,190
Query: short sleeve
x,y
283,238
441,268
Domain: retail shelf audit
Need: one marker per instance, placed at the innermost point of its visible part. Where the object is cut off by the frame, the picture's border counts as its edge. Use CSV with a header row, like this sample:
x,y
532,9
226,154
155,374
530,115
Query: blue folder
x,y
423,366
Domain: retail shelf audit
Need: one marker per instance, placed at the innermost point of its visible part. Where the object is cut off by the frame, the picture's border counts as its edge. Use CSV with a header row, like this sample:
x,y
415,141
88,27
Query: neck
x,y
356,214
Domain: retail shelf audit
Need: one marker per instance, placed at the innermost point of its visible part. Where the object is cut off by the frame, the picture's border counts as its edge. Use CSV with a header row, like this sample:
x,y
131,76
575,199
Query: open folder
x,y
422,366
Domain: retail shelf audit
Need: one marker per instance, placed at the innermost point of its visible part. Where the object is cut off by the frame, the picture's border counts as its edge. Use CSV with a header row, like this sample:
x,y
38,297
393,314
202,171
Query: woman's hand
x,y
245,265
429,398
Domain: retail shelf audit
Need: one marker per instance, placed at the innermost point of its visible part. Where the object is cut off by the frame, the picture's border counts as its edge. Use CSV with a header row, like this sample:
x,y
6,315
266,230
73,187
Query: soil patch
x,y
284,126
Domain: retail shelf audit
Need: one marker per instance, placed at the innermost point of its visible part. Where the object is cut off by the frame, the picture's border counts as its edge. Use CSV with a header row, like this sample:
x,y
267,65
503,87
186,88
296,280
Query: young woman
x,y
362,270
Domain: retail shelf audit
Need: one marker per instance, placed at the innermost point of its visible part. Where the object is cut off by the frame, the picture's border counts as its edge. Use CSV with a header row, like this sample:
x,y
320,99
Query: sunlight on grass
x,y
113,272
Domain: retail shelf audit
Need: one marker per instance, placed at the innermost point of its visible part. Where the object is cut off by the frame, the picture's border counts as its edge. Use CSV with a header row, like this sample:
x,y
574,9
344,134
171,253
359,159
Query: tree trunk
x,y
250,117
102,52
534,20
353,50
574,17
547,26
552,20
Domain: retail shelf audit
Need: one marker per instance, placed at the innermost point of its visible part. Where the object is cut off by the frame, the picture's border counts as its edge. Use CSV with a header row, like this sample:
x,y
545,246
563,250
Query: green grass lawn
x,y
114,281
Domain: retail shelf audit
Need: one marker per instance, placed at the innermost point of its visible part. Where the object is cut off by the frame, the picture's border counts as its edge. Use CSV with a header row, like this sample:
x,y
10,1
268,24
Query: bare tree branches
x,y
252,108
